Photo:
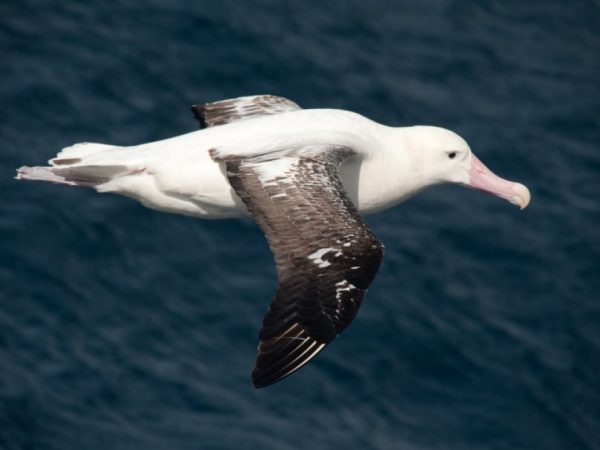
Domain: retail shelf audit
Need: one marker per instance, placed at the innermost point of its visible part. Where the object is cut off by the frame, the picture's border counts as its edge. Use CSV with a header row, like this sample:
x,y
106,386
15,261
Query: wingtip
x,y
259,385
260,381
279,363
197,111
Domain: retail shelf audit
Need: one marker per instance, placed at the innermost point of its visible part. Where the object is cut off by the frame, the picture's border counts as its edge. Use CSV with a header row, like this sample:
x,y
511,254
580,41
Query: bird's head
x,y
445,157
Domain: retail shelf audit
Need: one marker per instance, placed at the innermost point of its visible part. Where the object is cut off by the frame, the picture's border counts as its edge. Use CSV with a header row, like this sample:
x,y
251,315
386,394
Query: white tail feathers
x,y
82,176
42,174
84,164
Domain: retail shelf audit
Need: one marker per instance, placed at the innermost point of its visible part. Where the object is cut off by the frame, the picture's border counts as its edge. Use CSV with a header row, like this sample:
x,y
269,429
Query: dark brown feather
x,y
231,110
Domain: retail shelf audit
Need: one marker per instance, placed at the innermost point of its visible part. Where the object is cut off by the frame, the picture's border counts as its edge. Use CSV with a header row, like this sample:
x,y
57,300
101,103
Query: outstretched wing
x,y
241,108
326,257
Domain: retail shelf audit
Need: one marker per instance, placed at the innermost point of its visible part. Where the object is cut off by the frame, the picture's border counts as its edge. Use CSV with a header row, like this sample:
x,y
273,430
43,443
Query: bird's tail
x,y
78,165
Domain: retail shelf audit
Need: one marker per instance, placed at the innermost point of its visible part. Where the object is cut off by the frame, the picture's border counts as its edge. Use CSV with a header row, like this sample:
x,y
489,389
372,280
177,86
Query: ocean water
x,y
125,328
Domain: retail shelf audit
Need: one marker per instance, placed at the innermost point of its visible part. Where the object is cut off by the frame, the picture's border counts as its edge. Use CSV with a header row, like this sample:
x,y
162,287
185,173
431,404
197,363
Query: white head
x,y
441,156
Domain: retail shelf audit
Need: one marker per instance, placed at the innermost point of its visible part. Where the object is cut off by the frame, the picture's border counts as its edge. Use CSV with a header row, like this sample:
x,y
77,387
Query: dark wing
x,y
232,110
326,257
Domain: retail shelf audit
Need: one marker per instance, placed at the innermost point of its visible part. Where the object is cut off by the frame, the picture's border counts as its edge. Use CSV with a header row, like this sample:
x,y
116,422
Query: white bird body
x,y
178,175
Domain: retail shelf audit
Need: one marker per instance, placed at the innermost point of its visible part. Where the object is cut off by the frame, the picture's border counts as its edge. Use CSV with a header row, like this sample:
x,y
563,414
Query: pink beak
x,y
482,179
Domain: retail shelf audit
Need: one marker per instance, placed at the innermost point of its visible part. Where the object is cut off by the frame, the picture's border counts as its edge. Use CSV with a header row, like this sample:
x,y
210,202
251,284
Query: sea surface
x,y
123,328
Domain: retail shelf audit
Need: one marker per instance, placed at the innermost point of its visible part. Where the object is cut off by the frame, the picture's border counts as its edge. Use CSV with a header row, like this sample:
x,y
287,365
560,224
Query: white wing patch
x,y
278,168
317,257
343,286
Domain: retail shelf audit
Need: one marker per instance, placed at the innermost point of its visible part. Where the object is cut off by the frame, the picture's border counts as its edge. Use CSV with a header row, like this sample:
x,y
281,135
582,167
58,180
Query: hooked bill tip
x,y
522,196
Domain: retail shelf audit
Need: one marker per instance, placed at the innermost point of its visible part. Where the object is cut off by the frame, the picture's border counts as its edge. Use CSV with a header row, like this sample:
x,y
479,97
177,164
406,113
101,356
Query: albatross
x,y
305,176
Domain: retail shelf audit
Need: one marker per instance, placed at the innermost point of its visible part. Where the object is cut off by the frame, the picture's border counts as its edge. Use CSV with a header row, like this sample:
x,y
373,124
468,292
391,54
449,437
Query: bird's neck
x,y
395,171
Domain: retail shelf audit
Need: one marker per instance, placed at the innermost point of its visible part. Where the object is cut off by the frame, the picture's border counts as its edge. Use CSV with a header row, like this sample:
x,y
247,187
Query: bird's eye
x,y
452,155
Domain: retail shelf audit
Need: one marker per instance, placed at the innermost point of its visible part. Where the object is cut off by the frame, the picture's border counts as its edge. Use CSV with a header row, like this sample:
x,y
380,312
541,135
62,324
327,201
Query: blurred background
x,y
125,328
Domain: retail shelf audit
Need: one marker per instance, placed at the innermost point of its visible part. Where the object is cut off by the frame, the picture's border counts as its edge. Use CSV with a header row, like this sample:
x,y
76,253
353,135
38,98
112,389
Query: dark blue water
x,y
125,328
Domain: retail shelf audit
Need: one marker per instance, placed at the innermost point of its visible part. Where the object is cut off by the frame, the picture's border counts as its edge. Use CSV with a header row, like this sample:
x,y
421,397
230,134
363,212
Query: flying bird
x,y
305,176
